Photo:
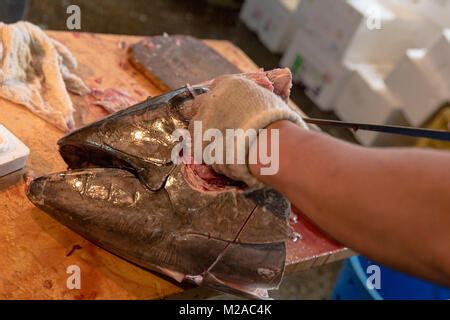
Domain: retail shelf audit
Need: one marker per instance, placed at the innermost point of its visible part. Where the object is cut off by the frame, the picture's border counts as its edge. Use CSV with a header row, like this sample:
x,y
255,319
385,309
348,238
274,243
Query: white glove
x,y
234,102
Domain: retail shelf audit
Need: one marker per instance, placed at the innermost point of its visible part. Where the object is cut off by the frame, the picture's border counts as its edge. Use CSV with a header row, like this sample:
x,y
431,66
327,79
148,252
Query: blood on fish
x,y
205,178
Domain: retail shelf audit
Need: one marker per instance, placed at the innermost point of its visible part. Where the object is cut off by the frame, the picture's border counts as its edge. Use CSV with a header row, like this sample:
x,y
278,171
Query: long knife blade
x,y
406,131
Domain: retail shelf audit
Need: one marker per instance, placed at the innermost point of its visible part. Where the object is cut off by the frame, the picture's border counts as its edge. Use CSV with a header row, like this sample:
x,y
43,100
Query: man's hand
x,y
238,103
389,204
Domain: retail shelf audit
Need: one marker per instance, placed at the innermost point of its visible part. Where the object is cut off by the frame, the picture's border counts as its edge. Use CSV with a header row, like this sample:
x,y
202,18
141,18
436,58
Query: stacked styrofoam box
x,y
273,20
415,82
253,13
365,98
278,27
437,11
326,30
347,32
13,153
333,24
438,56
311,66
386,45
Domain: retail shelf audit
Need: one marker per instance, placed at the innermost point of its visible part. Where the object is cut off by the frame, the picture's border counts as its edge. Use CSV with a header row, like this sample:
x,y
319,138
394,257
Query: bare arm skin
x,y
392,204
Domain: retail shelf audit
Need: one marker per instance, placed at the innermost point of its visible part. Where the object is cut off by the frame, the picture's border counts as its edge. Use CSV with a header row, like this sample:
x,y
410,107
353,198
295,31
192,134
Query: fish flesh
x,y
124,194
112,100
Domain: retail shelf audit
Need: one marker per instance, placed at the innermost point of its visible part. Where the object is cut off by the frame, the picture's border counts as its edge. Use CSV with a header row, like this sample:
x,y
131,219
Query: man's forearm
x,y
391,205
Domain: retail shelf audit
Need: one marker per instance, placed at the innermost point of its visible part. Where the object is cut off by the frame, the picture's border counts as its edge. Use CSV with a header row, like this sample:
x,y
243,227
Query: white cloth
x,y
36,71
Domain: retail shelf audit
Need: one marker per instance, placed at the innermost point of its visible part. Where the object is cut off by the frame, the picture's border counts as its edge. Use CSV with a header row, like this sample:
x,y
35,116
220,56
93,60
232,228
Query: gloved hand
x,y
234,102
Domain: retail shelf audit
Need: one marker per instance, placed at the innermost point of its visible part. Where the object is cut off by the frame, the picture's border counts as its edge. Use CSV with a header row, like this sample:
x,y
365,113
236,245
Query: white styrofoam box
x,y
437,11
333,24
321,76
278,26
387,45
420,89
13,153
370,31
253,13
438,55
365,98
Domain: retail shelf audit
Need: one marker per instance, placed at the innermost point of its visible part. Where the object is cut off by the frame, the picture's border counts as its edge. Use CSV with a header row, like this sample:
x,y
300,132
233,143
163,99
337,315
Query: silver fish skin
x,y
124,194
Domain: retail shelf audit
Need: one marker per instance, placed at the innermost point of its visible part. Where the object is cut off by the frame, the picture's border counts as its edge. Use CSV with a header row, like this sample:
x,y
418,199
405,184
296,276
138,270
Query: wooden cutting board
x,y
37,250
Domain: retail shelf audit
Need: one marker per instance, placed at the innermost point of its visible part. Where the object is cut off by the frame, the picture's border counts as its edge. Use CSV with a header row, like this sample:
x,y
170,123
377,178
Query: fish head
x,y
157,230
124,194
86,192
110,207
138,138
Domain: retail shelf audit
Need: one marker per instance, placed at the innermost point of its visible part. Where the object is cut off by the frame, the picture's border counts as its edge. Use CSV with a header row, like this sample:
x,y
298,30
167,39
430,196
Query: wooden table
x,y
36,250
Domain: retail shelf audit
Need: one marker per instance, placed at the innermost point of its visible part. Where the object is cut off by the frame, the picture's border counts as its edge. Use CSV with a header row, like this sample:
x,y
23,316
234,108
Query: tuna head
x,y
231,241
111,208
186,221
138,138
